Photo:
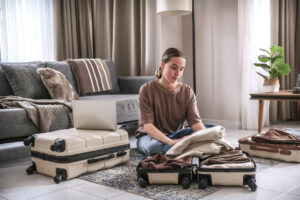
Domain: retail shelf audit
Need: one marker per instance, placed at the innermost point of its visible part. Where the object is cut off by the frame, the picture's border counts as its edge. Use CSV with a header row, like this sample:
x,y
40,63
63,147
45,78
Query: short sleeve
x,y
146,115
192,115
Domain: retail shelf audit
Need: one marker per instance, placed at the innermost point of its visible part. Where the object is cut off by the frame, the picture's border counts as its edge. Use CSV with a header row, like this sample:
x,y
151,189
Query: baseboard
x,y
225,123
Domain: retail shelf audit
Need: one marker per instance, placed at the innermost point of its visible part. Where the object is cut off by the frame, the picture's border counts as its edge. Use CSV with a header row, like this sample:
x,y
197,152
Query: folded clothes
x,y
159,161
276,136
228,157
246,165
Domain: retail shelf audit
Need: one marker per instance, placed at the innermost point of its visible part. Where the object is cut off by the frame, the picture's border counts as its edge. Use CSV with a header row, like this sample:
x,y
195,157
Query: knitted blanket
x,y
42,112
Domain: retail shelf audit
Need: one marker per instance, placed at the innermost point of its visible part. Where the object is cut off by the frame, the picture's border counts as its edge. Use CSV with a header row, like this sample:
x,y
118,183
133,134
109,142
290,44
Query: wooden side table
x,y
282,95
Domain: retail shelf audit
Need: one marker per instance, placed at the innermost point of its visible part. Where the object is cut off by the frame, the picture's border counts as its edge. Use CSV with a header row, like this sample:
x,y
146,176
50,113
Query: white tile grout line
x,y
287,192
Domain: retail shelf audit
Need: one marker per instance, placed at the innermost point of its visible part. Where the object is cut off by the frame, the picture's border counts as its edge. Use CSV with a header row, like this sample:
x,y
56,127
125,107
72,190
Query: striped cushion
x,y
92,75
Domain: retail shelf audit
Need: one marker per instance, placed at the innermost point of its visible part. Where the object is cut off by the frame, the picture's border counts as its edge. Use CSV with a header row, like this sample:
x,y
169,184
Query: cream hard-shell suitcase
x,y
235,174
181,176
68,153
284,152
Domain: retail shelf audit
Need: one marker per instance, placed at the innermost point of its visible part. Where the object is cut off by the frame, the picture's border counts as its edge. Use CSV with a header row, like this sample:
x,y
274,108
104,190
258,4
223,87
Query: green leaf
x,y
274,48
281,51
262,65
284,69
277,60
265,77
268,52
263,58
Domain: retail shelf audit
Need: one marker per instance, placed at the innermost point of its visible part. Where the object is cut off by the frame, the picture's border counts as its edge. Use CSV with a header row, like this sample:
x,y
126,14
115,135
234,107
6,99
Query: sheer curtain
x,y
254,33
26,30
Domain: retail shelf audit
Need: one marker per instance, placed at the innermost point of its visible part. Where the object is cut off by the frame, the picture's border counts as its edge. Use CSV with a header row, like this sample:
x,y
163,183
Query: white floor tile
x,y
288,169
98,190
1,198
276,182
67,194
295,190
287,197
233,193
16,184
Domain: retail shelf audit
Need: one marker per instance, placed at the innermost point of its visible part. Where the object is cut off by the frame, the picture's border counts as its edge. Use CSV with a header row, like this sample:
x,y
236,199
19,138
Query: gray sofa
x,y
14,123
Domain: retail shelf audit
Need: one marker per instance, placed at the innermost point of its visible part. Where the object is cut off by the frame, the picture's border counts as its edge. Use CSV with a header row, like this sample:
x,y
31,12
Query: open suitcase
x,y
68,153
165,176
227,175
285,152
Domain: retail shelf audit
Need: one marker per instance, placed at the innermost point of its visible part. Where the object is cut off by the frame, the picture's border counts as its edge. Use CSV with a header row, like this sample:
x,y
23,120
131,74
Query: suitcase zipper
x,y
79,157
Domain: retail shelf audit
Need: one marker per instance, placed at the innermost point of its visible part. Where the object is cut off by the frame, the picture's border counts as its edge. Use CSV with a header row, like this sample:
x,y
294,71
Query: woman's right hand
x,y
173,142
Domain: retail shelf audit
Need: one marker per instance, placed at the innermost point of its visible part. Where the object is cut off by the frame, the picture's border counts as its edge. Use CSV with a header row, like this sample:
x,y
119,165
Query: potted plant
x,y
273,63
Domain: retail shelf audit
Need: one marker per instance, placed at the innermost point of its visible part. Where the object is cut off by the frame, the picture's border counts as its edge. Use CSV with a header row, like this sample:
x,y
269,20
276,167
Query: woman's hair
x,y
167,55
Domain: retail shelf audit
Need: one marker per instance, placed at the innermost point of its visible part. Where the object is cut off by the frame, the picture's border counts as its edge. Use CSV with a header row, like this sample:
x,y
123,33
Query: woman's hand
x,y
173,142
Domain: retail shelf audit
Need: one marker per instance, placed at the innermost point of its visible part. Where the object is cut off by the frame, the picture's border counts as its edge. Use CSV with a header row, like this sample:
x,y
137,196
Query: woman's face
x,y
173,70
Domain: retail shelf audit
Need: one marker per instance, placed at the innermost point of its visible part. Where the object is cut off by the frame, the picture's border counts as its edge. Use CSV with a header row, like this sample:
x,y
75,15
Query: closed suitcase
x,y
228,175
285,152
165,176
68,153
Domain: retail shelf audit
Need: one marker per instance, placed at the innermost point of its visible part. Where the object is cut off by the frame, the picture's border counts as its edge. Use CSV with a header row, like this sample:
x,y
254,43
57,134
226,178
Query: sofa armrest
x,y
132,84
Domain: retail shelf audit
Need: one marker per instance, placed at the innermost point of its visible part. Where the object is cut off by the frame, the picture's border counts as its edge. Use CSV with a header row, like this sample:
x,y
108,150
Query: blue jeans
x,y
149,146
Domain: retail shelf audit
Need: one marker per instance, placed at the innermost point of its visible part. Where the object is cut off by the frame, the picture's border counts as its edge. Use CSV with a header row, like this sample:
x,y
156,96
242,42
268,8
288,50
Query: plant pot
x,y
271,85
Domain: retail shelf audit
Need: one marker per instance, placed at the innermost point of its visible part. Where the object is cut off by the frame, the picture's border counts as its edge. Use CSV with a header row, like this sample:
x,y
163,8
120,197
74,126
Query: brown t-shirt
x,y
166,110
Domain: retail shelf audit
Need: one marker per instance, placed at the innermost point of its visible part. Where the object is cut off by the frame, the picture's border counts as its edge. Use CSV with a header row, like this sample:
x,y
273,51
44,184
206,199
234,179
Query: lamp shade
x,y
174,7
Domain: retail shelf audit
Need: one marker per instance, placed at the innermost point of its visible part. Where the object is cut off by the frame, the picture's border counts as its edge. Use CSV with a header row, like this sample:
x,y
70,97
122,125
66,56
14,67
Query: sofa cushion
x,y
57,84
5,88
16,124
113,76
92,75
25,81
127,105
65,69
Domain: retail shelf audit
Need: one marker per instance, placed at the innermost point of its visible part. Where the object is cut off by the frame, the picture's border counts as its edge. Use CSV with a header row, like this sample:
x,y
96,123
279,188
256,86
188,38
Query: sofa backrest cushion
x,y
65,69
113,76
92,75
25,81
5,89
298,81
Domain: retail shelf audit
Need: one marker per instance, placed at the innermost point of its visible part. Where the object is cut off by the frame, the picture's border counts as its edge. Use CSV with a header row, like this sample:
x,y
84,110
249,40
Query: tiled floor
x,y
281,182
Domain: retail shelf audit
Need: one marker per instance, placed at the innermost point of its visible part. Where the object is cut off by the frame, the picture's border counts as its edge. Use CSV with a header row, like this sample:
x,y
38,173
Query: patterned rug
x,y
123,177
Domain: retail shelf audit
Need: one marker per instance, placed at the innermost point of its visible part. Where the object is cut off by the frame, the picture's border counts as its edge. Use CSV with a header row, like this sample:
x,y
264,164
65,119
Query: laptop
x,y
94,114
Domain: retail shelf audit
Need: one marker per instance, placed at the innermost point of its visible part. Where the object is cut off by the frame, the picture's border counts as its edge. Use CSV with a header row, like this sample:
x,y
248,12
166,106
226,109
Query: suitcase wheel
x,y
142,182
57,179
185,182
30,170
251,183
203,182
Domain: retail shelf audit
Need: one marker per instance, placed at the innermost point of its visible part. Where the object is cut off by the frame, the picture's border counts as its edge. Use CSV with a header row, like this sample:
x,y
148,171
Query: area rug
x,y
123,177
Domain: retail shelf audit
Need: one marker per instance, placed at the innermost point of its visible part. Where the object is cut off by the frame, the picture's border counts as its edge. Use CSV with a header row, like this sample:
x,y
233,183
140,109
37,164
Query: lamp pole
x,y
194,49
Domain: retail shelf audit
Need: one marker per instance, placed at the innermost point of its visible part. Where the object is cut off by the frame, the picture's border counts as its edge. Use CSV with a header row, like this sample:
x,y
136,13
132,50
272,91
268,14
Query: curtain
x,y
254,31
26,30
113,29
285,20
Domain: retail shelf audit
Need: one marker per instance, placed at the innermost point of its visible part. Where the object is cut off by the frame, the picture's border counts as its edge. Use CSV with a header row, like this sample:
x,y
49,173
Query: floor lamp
x,y
180,7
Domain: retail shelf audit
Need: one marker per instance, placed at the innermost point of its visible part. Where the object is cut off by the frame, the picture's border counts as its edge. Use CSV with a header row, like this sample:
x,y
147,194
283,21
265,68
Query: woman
x,y
164,105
